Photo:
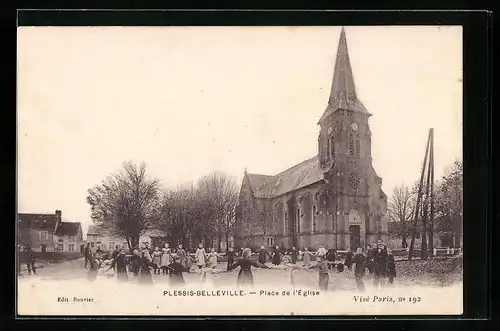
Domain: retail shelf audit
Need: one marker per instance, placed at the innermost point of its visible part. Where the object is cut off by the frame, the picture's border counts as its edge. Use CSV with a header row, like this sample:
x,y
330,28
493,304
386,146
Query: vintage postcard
x,y
186,171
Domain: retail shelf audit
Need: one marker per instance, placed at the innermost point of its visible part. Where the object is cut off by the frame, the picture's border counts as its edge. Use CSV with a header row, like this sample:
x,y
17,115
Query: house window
x,y
92,244
60,240
71,238
60,247
71,247
351,144
313,219
44,235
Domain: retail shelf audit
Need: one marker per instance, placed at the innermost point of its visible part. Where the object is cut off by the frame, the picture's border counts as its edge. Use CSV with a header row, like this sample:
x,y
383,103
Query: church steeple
x,y
343,91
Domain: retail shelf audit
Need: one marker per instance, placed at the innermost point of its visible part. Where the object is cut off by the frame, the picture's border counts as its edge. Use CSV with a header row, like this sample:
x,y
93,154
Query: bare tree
x,y
126,203
219,192
183,211
400,209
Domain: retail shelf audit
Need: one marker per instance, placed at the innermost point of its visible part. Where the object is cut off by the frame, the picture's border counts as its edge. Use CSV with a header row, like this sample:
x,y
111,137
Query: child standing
x,y
324,278
359,269
166,259
391,267
95,264
200,256
157,259
212,258
176,269
307,258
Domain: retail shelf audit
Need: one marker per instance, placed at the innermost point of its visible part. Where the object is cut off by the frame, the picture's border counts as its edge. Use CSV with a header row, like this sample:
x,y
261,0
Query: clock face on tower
x,y
354,127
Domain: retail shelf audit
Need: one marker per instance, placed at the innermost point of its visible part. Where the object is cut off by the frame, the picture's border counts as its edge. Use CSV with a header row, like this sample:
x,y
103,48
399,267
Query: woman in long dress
x,y
276,258
176,269
157,259
245,276
144,272
307,258
166,259
121,266
181,253
200,257
95,264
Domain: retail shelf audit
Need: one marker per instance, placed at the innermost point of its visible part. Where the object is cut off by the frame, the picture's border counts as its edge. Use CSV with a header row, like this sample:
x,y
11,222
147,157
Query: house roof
x,y
38,221
93,229
67,229
155,233
298,176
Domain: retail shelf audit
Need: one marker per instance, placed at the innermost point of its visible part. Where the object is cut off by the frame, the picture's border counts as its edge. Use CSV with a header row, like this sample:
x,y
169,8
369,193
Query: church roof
x,y
343,91
298,176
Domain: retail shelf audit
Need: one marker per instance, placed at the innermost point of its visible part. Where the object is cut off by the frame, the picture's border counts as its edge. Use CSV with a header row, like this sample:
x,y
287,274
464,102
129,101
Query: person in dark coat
x,y
21,259
379,266
391,267
135,262
30,260
323,266
369,258
175,271
145,276
99,250
230,255
294,254
120,265
331,257
263,255
276,258
359,268
349,259
245,276
87,253
115,253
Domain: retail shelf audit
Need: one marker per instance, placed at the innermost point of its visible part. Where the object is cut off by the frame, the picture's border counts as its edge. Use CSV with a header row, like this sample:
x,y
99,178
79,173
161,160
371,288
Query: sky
x,y
191,100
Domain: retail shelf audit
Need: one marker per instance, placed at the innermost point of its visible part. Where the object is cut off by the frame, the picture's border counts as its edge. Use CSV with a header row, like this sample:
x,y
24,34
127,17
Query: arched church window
x,y
331,147
351,144
328,147
298,220
358,148
285,223
313,227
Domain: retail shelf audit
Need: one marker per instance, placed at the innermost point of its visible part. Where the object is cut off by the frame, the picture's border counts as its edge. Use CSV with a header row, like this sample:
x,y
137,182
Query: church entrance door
x,y
355,232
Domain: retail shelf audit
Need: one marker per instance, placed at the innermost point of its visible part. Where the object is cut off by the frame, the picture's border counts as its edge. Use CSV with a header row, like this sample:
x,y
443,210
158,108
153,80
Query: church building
x,y
334,198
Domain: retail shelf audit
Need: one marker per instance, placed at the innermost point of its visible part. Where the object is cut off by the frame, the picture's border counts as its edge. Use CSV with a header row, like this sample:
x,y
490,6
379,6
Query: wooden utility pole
x,y
431,225
419,199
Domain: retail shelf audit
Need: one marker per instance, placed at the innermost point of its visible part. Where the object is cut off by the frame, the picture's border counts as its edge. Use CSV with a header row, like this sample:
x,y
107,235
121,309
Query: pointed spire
x,y
343,92
343,82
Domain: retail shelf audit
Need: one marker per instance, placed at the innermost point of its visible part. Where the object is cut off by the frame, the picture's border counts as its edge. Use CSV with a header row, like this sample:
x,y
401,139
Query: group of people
x,y
378,260
144,261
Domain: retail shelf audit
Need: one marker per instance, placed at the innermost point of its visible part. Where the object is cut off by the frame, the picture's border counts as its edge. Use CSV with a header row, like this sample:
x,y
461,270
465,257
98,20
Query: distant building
x,y
68,237
48,233
37,230
98,237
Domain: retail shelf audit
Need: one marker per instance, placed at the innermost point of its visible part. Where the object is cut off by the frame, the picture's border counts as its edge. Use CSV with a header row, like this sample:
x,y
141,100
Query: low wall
x,y
57,256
